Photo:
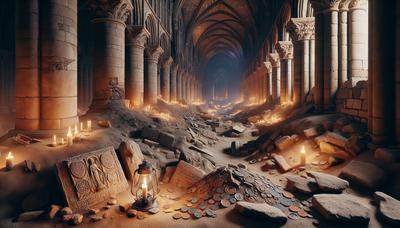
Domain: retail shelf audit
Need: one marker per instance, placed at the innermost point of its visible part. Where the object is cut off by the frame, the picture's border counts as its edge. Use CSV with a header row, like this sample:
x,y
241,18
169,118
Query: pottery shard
x,y
363,174
150,133
301,184
329,183
341,208
29,216
388,208
262,211
167,140
131,155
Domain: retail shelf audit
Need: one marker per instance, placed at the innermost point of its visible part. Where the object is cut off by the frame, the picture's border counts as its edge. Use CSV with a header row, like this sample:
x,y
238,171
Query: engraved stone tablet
x,y
186,175
91,178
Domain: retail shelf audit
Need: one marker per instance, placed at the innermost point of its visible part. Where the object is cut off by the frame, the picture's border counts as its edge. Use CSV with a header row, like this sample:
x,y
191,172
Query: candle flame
x,y
69,132
303,150
9,156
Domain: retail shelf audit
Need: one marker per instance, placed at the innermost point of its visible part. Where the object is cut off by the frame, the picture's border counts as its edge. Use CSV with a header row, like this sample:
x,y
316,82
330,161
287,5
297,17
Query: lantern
x,y
145,187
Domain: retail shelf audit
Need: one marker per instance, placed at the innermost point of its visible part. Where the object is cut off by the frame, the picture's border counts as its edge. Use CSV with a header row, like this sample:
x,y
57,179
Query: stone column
x,y
343,41
384,72
27,66
109,50
285,51
179,84
268,79
184,79
358,59
174,73
134,86
301,31
165,85
152,56
327,25
276,77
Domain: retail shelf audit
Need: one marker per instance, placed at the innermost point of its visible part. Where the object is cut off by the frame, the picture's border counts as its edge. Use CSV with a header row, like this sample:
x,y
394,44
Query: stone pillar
x,y
327,29
174,73
152,56
302,31
384,72
165,85
276,77
285,51
109,50
358,59
312,62
27,66
179,84
134,86
343,41
268,79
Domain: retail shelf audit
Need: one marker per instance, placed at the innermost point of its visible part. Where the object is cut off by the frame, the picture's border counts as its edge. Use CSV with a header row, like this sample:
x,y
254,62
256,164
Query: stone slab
x,y
364,174
91,178
281,161
131,157
262,211
388,208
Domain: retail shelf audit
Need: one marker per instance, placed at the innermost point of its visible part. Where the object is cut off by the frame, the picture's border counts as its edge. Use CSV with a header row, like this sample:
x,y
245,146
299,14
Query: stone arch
x,y
151,26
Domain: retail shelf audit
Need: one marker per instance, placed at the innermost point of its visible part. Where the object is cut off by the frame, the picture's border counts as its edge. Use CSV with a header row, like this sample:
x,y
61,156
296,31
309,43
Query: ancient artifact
x,y
91,178
145,187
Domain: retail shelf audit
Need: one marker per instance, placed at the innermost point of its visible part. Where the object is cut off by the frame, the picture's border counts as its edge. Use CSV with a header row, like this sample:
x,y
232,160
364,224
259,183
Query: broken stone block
x,y
284,142
329,183
261,211
314,131
131,157
150,133
341,208
29,216
151,143
282,163
355,145
66,211
301,184
388,208
77,219
167,140
238,129
332,150
88,179
387,155
335,139
343,121
53,211
363,174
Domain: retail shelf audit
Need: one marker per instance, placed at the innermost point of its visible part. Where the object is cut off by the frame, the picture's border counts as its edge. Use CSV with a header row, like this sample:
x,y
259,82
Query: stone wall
x,y
353,101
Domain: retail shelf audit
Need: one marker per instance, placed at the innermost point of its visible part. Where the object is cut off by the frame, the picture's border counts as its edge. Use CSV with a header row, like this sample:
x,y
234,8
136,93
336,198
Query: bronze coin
x,y
294,208
211,201
225,203
177,215
302,214
288,195
186,216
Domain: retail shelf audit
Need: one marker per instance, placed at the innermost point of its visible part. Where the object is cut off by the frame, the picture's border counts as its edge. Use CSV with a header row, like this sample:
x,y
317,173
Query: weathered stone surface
x,y
77,219
333,150
166,139
387,155
363,174
329,183
53,211
344,121
281,161
284,142
238,129
91,178
301,184
150,133
66,211
314,131
388,208
262,211
131,157
354,128
342,208
335,139
29,216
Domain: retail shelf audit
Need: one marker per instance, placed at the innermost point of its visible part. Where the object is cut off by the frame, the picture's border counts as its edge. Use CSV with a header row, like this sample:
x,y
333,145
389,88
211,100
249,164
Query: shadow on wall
x,y
6,123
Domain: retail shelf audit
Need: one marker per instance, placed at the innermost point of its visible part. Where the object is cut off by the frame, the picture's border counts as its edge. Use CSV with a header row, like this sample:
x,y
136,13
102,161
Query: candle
x,y
89,125
81,126
303,156
144,190
76,133
9,161
54,140
62,141
70,137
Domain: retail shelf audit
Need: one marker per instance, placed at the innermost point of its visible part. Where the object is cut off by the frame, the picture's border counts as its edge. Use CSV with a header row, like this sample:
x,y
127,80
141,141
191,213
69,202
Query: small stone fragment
x,y
77,219
329,183
54,209
262,211
388,208
66,211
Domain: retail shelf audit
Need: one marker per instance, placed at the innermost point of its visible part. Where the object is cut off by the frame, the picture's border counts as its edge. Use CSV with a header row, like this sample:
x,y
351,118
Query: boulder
x,y
388,208
301,184
363,174
341,208
262,211
387,155
329,183
150,133
131,156
166,139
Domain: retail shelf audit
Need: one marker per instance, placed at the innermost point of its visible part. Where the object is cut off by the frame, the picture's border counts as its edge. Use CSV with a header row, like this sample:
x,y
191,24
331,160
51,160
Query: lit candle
x,y
62,141
76,132
9,161
144,190
89,125
81,126
54,140
303,156
70,137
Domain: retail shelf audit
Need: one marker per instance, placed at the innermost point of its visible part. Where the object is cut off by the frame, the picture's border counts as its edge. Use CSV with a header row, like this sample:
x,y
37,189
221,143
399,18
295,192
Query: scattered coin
x,y
168,210
184,209
191,210
170,190
217,197
285,202
288,195
177,215
154,210
293,216
210,213
186,216
211,201
225,203
232,200
197,215
239,196
294,208
189,205
203,205
214,207
302,214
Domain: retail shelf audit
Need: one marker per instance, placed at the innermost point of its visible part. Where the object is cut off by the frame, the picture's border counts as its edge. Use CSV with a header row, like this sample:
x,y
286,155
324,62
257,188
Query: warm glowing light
x,y
70,137
81,126
144,189
76,132
9,161
303,156
54,140
10,156
89,125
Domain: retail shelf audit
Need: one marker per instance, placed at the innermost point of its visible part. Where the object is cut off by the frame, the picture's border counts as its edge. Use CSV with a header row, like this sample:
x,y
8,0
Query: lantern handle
x,y
133,180
156,178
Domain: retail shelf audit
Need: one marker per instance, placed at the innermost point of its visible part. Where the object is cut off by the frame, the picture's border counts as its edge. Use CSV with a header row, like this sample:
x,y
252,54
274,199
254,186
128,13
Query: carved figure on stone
x,y
116,92
97,175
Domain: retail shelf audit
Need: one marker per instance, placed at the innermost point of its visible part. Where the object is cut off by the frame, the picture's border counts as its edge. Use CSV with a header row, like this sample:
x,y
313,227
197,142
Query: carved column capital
x,y
137,35
301,28
118,10
153,53
268,66
359,4
284,49
321,6
274,59
168,61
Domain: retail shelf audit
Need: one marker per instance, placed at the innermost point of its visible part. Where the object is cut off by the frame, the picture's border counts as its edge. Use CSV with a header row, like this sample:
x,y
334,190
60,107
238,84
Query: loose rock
x,y
262,211
329,183
388,208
